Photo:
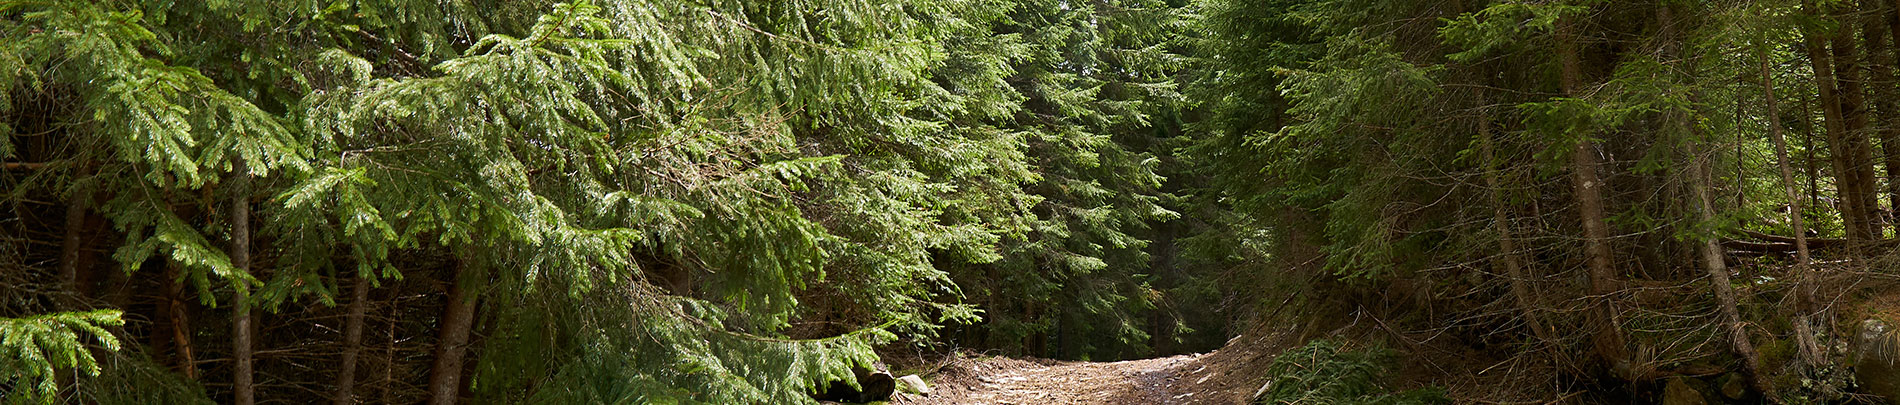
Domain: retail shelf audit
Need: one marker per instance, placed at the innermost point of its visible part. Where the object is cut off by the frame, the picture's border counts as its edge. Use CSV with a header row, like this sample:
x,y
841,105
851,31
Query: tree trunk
x,y
159,337
176,307
458,317
1514,266
352,342
242,389
1887,54
1812,170
1701,187
1161,319
1805,340
1712,261
1701,190
389,351
1852,96
1035,344
1834,122
72,243
1607,333
1875,119
1853,158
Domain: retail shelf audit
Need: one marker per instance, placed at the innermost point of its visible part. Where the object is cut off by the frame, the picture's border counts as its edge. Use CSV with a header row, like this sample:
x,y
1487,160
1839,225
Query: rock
x,y
913,384
1874,353
1679,391
873,385
1733,385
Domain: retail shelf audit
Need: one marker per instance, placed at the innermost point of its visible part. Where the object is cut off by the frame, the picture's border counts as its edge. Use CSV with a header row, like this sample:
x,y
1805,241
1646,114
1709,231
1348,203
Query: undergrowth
x,y
1324,373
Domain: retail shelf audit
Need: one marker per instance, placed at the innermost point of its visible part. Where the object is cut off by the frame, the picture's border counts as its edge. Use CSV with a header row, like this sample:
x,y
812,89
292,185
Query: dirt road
x,y
1003,381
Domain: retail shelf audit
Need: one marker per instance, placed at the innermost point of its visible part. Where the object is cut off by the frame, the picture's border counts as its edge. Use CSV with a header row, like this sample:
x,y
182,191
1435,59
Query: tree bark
x,y
1701,187
1876,116
1805,340
1853,154
458,317
1514,266
1713,262
1808,166
159,337
1607,334
389,351
1035,343
72,243
242,389
1834,121
1888,54
1852,95
177,309
352,341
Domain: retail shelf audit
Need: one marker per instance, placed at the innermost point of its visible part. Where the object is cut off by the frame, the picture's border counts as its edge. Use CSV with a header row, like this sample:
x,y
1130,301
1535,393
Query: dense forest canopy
x,y
744,201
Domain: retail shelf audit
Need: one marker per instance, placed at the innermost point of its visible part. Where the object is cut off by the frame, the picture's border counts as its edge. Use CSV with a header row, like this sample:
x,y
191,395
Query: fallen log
x,y
1812,241
873,386
1757,247
1771,243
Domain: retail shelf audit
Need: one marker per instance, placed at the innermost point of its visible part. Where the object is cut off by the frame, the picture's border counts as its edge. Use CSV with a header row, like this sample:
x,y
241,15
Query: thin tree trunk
x,y
72,243
1741,78
242,389
1712,261
1805,342
389,351
159,337
1035,343
1807,145
70,246
1878,119
177,309
1850,94
352,341
1890,117
1160,318
1514,266
1158,333
1607,335
1701,187
458,317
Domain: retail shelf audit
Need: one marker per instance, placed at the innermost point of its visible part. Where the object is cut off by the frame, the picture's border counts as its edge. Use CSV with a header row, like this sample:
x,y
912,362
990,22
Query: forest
x,y
769,201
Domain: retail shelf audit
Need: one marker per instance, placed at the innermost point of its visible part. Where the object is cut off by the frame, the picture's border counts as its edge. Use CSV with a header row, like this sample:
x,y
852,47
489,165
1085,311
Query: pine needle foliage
x,y
657,201
574,152
33,348
1092,78
1323,372
608,166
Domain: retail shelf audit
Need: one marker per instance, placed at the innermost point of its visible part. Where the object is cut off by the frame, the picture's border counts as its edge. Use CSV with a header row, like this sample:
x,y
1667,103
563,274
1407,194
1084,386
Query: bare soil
x,y
1001,381
1229,376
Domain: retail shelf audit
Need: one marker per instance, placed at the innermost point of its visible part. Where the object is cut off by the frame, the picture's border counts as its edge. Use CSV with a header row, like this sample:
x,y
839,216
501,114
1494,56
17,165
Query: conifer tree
x,y
1093,79
573,154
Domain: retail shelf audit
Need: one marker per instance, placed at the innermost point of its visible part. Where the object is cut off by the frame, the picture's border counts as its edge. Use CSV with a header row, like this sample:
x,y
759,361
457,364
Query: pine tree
x,y
1093,79
573,155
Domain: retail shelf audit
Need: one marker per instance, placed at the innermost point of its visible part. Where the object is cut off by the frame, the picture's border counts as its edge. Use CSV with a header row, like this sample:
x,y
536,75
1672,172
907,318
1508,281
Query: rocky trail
x,y
1000,381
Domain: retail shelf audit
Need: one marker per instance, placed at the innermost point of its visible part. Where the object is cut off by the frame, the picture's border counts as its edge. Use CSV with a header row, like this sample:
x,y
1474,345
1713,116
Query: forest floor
x,y
1181,380
1001,380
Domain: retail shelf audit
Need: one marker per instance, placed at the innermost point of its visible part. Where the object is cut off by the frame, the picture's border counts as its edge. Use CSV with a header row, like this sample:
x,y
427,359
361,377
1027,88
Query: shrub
x,y
1322,373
